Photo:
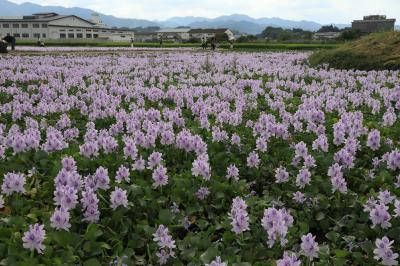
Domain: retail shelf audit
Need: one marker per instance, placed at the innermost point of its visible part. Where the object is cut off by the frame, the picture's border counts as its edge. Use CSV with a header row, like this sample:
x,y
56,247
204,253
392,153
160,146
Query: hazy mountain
x,y
8,8
239,22
241,26
182,21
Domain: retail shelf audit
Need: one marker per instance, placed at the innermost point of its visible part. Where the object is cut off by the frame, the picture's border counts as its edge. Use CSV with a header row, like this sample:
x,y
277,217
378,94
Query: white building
x,y
51,26
176,34
326,35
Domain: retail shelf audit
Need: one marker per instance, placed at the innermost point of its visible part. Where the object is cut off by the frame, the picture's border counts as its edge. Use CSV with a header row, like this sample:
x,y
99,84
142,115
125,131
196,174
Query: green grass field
x,y
253,46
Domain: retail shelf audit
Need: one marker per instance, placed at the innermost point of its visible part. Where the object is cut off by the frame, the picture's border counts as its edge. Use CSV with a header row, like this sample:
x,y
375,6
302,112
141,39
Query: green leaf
x,y
209,255
320,216
93,231
340,253
332,236
91,262
165,216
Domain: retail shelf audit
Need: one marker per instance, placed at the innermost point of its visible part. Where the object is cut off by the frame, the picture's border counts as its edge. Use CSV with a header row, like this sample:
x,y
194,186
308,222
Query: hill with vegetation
x,y
376,51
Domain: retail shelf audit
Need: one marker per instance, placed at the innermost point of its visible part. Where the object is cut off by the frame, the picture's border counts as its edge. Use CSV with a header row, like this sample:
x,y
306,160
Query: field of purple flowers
x,y
193,158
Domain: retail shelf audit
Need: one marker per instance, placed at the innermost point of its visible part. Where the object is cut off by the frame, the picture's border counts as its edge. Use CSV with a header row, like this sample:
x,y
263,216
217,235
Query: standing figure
x,y
213,44
131,42
161,41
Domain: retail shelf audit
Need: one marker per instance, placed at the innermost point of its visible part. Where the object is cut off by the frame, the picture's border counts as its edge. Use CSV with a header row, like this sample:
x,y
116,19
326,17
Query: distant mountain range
x,y
238,22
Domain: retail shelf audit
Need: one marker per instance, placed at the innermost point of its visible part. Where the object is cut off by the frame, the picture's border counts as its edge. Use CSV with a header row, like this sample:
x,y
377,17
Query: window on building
x,y
103,31
36,35
25,35
6,25
71,35
88,30
44,25
62,36
79,35
95,31
95,36
71,30
15,26
25,26
44,35
35,26
62,30
88,36
78,30
17,35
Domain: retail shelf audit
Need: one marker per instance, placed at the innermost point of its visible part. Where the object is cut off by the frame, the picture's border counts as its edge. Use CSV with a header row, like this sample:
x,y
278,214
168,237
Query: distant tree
x,y
271,32
350,34
276,33
329,28
246,38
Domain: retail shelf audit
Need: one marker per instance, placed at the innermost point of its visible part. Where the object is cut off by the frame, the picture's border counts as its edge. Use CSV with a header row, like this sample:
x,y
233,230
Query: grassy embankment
x,y
377,51
251,46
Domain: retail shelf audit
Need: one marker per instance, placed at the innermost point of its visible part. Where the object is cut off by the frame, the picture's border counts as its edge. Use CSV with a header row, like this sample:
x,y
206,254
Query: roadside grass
x,y
378,51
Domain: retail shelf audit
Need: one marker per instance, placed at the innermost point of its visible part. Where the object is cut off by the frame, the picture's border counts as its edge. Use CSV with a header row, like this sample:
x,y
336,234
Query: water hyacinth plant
x,y
179,157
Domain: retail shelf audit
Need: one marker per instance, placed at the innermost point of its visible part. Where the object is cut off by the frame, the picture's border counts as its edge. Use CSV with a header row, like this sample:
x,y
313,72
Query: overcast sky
x,y
323,11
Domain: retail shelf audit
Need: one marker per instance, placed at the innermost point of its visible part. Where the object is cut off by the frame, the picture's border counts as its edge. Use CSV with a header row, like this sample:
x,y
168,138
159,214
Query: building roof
x,y
40,17
174,30
216,31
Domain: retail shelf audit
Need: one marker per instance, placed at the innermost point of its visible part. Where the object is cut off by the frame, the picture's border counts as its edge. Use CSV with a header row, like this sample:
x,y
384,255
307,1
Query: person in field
x,y
10,40
131,42
3,47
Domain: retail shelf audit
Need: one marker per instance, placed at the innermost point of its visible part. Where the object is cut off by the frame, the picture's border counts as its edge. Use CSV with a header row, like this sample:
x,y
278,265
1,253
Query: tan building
x,y
205,34
51,26
374,23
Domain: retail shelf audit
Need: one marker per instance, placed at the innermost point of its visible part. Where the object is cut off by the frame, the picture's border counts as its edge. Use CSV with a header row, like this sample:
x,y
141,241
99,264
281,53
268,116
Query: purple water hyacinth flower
x,y
232,172
253,161
13,183
289,259
69,164
165,243
160,177
201,167
374,139
122,174
321,143
217,262
238,215
385,197
118,198
235,139
301,149
33,239
276,223
337,180
202,193
139,164
397,208
309,246
303,178
60,219
154,159
379,215
66,197
299,197
383,252
101,178
281,175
